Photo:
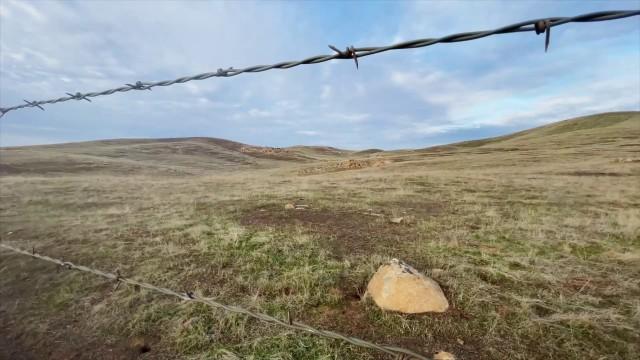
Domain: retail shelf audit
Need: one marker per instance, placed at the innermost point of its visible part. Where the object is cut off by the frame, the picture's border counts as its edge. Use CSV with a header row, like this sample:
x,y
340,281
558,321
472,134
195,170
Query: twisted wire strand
x,y
189,296
350,53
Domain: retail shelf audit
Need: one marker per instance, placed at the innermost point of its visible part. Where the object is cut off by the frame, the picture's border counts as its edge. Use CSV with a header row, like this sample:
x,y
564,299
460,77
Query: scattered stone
x,y
443,355
289,206
407,219
397,286
374,214
627,160
301,207
188,324
140,345
460,341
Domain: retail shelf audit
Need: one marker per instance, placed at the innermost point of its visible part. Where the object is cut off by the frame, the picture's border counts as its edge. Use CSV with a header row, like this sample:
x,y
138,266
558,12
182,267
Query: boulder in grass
x,y
443,355
397,286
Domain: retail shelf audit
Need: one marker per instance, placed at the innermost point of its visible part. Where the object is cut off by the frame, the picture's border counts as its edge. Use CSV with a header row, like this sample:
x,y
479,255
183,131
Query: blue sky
x,y
402,99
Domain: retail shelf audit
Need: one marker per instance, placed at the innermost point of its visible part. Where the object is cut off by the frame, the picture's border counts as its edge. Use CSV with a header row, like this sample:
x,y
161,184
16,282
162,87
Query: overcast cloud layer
x,y
401,99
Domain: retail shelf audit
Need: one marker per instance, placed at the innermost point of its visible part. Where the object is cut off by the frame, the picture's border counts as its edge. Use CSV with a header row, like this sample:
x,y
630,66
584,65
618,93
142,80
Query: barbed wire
x,y
398,353
540,26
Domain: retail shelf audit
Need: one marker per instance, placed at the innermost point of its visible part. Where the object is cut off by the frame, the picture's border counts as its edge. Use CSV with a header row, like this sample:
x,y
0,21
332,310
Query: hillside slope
x,y
592,129
167,156
597,140
611,134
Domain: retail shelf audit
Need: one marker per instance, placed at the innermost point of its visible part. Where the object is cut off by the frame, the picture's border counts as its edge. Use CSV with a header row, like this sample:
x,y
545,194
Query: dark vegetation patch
x,y
70,335
360,317
595,173
368,152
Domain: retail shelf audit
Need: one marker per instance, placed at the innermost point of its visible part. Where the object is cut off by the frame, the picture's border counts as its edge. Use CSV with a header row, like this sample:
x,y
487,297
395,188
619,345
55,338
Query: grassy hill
x,y
534,238
594,128
154,156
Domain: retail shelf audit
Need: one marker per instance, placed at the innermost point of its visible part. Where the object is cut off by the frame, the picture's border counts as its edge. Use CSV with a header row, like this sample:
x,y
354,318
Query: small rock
x,y
301,207
460,341
188,324
443,355
374,214
397,220
397,286
289,206
140,345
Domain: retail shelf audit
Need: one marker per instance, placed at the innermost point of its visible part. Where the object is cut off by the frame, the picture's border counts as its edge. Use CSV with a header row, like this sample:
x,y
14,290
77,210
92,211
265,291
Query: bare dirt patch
x,y
343,232
350,164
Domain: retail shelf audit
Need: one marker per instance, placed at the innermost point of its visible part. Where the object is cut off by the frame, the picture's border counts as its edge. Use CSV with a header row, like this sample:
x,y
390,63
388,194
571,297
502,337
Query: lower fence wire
x,y
398,353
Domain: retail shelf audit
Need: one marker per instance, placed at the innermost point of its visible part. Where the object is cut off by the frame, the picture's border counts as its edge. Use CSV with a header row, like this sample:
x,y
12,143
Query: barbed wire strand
x,y
398,353
543,25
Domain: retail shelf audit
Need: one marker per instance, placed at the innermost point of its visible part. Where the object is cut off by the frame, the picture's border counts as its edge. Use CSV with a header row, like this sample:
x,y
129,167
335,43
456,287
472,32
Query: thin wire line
x,y
190,296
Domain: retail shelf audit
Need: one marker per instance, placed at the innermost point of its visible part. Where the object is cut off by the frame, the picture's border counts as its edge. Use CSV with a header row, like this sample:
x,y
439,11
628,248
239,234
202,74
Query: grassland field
x,y
534,238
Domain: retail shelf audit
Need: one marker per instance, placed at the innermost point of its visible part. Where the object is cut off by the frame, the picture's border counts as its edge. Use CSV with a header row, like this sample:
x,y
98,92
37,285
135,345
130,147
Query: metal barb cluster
x,y
537,25
191,296
139,85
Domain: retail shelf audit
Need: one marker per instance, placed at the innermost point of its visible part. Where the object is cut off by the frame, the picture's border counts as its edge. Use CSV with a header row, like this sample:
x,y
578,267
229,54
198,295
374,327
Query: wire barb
x,y
34,103
537,25
544,26
349,53
117,280
79,96
139,85
224,73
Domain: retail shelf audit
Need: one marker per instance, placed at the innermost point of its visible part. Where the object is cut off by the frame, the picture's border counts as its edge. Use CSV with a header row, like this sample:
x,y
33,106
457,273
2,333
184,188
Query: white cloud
x,y
28,9
308,132
326,92
257,113
4,11
352,118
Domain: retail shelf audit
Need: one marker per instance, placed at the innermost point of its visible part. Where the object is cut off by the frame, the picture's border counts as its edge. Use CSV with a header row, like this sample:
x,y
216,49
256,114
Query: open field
x,y
534,237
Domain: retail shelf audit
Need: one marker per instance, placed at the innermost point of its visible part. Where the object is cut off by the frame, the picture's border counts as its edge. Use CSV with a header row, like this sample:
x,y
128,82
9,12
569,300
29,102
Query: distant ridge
x,y
199,155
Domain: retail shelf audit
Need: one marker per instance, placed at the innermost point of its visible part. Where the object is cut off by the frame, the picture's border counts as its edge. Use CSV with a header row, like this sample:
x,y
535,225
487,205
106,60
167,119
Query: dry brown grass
x,y
536,243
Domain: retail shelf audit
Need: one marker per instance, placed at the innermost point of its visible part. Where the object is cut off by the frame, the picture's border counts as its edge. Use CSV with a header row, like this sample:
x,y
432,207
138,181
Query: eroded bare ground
x,y
537,250
346,232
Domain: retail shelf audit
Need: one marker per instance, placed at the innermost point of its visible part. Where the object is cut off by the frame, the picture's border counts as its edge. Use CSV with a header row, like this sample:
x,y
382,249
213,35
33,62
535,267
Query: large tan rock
x,y
397,286
443,355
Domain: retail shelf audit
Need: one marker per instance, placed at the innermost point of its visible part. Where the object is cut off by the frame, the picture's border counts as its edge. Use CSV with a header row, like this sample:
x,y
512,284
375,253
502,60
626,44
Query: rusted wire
x,y
191,296
353,53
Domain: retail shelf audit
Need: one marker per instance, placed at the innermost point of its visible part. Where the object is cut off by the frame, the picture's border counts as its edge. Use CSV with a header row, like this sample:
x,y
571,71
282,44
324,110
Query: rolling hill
x,y
201,155
166,156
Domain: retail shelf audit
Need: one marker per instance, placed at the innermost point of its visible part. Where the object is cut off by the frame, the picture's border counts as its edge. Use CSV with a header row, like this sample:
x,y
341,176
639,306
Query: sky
x,y
399,99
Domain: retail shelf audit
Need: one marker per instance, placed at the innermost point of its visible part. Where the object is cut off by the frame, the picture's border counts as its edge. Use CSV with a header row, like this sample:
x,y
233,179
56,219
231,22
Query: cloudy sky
x,y
401,99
